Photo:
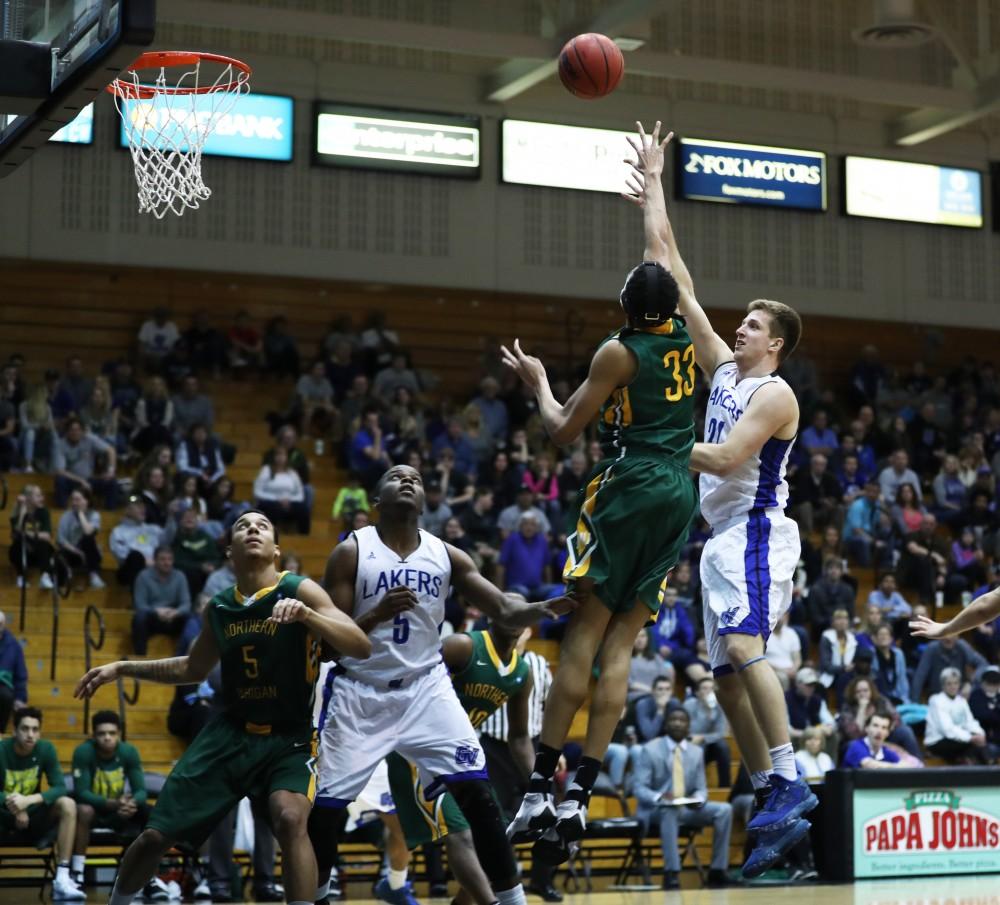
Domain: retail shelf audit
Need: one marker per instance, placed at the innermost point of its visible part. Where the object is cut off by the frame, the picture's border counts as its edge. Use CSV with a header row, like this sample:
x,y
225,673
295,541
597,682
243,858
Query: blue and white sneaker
x,y
771,846
402,896
788,801
536,814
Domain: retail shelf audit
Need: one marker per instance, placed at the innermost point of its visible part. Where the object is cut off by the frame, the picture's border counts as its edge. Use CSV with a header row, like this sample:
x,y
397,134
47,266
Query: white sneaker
x,y
533,818
174,888
65,890
22,582
96,581
156,891
45,582
559,844
203,892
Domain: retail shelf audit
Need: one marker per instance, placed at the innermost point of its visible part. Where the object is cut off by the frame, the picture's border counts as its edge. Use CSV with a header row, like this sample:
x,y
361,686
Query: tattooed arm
x,y
188,670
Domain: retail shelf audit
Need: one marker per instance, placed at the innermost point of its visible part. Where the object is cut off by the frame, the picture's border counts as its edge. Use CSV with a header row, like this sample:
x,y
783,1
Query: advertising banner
x,y
79,130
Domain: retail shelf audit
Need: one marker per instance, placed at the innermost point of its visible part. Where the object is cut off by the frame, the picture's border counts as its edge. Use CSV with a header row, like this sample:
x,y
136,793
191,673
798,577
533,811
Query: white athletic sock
x,y
62,872
120,898
513,896
397,878
760,779
79,862
322,891
783,758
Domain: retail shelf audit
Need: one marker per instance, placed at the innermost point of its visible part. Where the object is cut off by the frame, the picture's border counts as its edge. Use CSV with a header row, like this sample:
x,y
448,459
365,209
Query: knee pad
x,y
489,834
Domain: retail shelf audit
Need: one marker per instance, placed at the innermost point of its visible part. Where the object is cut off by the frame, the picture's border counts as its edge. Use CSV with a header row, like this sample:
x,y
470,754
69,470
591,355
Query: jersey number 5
x,y
400,629
683,384
250,665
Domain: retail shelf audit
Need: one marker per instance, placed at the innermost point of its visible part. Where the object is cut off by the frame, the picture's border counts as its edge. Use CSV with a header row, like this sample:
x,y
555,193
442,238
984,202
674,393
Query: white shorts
x,y
747,574
375,799
360,725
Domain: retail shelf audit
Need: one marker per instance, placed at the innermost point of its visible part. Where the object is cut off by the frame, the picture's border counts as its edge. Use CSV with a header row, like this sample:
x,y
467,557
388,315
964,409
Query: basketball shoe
x,y
533,818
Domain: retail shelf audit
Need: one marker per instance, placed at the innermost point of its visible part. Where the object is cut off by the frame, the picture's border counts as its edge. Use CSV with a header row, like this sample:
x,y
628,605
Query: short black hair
x,y
27,713
102,717
163,548
252,509
650,295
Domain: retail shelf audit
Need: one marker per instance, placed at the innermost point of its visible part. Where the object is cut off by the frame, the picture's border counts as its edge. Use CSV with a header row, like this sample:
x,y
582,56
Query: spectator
x,y
890,668
572,478
454,534
205,345
109,786
133,541
807,706
784,651
651,711
406,424
377,342
454,437
868,376
279,494
829,594
125,394
281,352
245,344
157,338
869,624
341,369
288,439
151,485
154,417
31,537
82,460
511,516
161,601
524,565
646,665
13,674
436,511
709,728
77,537
947,653
850,478
75,386
397,374
367,456
984,702
221,510
950,491
195,552
357,401
864,540
199,455
351,498
27,813
492,408
869,751
37,431
952,731
541,480
898,472
924,563
479,436
191,408
861,700
673,635
967,568
672,791
811,759
480,524
892,604
314,399
503,478
12,387
907,511
837,648
818,438
817,495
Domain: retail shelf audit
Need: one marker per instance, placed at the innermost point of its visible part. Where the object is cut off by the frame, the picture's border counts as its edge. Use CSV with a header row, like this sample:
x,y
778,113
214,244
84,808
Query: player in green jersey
x,y
487,672
628,526
266,632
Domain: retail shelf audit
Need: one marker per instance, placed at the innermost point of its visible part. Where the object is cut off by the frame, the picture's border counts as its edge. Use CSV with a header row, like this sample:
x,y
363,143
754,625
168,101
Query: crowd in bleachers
x,y
892,482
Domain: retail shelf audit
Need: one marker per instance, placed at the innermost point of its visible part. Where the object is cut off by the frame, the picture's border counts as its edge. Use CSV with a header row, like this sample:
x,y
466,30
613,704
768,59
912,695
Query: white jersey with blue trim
x,y
759,483
411,643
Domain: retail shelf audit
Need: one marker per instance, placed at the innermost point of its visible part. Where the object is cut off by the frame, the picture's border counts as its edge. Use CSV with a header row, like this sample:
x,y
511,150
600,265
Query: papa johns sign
x,y
931,821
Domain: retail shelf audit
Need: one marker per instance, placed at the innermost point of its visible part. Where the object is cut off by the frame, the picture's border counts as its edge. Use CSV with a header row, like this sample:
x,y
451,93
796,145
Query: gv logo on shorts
x,y
729,616
465,756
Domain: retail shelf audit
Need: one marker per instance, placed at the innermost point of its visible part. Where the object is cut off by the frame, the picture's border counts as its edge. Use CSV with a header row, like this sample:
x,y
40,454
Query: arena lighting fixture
x,y
896,27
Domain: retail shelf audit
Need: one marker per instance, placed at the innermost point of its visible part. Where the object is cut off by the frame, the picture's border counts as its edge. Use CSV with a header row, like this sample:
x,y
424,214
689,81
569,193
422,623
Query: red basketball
x,y
591,65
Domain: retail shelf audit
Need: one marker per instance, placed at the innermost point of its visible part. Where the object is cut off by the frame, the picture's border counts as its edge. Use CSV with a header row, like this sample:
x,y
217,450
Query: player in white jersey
x,y
393,579
748,563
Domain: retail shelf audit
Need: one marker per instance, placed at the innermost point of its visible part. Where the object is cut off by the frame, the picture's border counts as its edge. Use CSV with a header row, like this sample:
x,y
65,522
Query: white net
x,y
167,125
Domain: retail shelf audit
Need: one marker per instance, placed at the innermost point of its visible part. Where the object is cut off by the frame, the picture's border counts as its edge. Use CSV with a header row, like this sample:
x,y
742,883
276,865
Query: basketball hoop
x,y
168,123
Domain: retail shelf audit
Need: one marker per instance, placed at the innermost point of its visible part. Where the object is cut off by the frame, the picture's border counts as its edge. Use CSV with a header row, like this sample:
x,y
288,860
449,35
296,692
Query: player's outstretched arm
x,y
772,408
518,740
646,190
314,609
512,610
187,670
456,651
982,610
613,366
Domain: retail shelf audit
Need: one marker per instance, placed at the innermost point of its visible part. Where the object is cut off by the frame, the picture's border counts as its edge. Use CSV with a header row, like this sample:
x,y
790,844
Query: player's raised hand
x,y
397,600
527,367
288,610
98,676
923,627
648,162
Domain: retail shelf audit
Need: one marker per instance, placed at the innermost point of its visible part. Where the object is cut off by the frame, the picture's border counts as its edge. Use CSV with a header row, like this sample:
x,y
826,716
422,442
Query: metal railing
x,y
89,645
123,699
58,566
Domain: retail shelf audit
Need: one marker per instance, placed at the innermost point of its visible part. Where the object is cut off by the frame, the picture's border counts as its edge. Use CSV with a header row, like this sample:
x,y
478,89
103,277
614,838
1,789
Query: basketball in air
x,y
591,66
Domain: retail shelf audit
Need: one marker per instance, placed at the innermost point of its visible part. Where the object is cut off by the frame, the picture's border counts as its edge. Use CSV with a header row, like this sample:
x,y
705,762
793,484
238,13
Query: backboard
x,y
57,56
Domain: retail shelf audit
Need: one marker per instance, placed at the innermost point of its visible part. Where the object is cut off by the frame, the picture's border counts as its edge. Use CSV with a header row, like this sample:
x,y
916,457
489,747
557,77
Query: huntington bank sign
x,y
927,831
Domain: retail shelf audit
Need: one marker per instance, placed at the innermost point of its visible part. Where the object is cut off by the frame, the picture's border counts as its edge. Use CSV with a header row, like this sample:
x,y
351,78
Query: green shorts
x,y
628,526
422,821
224,764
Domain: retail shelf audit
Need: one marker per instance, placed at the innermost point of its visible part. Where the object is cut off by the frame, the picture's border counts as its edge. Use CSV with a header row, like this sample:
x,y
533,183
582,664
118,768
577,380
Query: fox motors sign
x,y
930,821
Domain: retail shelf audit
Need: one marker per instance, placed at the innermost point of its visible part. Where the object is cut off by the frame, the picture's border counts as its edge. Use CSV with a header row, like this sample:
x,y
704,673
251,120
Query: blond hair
x,y
785,324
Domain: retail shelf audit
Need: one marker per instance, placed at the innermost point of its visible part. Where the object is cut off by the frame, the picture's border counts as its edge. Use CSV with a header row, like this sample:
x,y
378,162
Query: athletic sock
x,y
586,775
62,871
783,758
546,761
397,878
513,896
79,864
322,891
760,779
120,898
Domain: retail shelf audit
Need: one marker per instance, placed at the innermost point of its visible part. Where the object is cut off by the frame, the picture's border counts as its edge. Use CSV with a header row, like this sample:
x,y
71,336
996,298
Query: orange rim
x,y
161,59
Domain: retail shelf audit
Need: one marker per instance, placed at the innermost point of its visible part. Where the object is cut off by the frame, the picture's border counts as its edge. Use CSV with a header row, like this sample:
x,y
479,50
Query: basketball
x,y
591,66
